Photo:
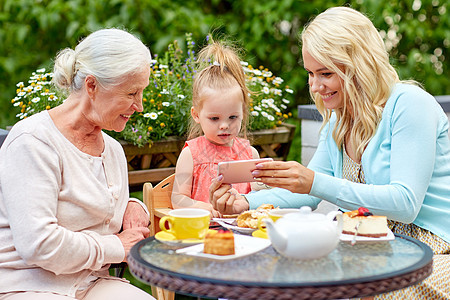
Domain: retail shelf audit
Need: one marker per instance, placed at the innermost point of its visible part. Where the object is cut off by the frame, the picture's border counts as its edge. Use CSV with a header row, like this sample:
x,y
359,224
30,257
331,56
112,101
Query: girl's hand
x,y
288,175
135,216
225,199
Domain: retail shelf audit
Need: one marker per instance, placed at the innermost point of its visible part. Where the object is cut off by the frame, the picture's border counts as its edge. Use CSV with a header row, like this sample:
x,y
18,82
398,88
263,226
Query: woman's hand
x,y
135,216
288,175
131,236
225,199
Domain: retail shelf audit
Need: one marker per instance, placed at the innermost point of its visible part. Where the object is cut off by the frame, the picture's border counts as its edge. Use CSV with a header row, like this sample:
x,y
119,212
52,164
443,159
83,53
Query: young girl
x,y
219,114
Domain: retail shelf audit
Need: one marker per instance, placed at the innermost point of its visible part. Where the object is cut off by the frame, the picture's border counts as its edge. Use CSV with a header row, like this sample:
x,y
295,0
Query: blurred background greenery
x,y
417,34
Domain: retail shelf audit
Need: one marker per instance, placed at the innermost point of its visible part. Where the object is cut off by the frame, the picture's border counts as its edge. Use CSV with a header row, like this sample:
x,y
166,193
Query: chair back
x,y
158,201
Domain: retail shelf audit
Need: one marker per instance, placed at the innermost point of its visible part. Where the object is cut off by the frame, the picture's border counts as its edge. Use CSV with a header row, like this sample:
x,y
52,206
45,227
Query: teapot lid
x,y
305,214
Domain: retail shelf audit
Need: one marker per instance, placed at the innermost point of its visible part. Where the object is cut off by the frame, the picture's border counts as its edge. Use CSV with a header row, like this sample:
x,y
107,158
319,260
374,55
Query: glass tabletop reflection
x,y
346,264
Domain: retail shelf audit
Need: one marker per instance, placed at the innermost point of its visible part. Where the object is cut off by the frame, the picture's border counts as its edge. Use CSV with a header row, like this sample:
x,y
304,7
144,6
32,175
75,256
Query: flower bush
x,y
167,99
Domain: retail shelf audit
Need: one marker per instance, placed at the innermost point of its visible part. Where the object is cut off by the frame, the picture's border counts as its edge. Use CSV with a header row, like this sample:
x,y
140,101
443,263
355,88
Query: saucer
x,y
260,234
169,239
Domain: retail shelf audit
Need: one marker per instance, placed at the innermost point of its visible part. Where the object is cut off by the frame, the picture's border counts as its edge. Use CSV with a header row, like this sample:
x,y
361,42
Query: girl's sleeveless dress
x,y
206,156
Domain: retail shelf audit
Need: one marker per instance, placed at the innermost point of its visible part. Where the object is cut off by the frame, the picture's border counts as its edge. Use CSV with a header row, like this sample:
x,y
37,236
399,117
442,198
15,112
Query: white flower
x,y
21,94
277,80
257,108
35,99
257,72
163,66
166,104
283,106
266,90
267,73
40,70
264,114
147,115
270,118
16,104
286,101
181,96
164,91
153,115
277,92
289,91
244,63
20,84
255,113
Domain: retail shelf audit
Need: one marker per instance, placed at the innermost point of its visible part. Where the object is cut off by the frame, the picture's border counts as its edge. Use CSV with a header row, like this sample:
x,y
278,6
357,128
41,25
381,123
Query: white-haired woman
x,y
384,143
65,212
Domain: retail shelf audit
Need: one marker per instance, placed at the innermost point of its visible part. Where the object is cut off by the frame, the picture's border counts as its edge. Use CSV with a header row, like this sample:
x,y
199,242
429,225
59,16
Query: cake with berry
x,y
219,242
364,223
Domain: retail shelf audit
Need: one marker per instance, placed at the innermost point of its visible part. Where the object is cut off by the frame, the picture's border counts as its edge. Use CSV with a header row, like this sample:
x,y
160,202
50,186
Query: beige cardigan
x,y
59,212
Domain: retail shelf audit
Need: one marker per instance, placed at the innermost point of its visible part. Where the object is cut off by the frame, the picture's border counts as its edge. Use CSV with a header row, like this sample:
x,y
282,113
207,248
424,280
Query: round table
x,y
361,270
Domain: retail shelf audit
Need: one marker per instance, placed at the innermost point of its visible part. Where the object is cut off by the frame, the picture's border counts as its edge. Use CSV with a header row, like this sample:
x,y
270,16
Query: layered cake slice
x,y
364,223
219,242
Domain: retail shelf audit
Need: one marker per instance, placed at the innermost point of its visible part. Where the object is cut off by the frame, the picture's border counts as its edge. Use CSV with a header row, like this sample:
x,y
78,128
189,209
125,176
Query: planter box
x,y
157,161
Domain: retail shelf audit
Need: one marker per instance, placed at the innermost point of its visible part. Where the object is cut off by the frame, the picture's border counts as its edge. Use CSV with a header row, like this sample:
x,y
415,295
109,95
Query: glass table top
x,y
346,264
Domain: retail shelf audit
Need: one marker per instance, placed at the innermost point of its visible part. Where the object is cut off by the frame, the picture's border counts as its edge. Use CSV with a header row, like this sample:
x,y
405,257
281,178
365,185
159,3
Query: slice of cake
x,y
219,242
364,223
249,218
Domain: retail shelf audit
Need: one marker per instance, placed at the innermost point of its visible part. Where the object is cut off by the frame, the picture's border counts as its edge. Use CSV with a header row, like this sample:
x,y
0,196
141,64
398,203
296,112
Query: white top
x,y
60,209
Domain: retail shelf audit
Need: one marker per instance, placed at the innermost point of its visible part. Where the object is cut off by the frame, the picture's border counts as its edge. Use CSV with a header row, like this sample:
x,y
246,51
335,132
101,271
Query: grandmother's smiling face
x,y
113,107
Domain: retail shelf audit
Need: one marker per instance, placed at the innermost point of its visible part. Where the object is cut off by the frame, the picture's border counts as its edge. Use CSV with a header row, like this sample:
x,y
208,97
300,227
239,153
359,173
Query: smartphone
x,y
239,170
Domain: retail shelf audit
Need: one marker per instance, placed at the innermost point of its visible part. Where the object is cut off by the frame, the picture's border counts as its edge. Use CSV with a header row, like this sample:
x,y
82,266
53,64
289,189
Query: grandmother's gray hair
x,y
107,54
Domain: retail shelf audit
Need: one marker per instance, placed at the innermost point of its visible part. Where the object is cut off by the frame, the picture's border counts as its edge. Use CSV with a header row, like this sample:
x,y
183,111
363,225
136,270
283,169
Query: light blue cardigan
x,y
406,167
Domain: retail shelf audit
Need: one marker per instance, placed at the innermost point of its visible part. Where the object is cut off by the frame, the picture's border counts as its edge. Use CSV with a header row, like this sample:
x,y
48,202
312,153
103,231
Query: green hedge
x,y
31,33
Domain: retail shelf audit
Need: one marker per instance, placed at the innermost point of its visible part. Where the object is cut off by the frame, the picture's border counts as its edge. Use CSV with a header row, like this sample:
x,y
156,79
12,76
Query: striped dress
x,y
437,285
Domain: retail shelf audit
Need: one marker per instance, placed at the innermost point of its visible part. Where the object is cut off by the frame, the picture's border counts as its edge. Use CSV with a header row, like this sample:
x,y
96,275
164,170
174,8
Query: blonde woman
x,y
384,143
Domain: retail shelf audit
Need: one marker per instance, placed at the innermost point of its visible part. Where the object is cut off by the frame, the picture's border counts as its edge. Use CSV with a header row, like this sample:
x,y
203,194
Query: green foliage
x,y
32,31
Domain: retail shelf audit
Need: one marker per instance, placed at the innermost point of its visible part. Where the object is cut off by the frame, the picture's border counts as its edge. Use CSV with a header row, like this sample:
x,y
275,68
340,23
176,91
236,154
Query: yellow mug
x,y
274,215
186,223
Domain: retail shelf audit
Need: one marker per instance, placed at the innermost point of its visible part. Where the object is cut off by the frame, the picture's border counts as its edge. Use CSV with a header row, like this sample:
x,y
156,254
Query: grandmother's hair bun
x,y
64,69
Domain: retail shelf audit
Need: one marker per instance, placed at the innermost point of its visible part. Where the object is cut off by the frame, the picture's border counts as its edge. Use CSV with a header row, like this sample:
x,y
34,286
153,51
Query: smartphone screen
x,y
239,170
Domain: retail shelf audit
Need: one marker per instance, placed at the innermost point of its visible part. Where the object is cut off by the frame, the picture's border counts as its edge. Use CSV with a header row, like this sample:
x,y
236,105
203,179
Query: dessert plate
x,y
243,245
349,237
169,239
229,224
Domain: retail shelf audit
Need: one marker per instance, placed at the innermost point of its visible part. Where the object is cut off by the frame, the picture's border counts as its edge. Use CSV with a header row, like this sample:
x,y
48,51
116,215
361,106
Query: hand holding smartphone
x,y
239,170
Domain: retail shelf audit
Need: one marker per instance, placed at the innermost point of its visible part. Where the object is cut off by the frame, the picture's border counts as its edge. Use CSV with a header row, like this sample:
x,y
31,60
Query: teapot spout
x,y
277,238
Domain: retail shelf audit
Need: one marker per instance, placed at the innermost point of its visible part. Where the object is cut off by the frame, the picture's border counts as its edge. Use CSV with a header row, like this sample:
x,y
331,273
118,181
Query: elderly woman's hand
x,y
135,216
131,236
288,175
225,199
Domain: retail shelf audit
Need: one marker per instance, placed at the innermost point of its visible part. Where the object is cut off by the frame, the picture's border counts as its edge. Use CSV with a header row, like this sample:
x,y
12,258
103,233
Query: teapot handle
x,y
338,214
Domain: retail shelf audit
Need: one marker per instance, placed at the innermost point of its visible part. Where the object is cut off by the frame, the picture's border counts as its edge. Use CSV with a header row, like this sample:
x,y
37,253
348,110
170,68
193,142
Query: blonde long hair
x,y
347,43
218,68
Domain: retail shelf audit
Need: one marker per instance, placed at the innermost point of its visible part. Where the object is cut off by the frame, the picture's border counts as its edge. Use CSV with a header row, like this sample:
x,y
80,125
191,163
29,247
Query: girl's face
x,y
221,115
324,81
113,107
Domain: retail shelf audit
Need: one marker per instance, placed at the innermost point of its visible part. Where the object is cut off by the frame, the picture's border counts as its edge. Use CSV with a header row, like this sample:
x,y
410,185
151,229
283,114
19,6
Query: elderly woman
x,y
65,212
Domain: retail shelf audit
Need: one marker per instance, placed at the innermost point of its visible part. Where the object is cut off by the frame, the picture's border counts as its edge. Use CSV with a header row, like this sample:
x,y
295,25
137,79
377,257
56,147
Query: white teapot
x,y
305,235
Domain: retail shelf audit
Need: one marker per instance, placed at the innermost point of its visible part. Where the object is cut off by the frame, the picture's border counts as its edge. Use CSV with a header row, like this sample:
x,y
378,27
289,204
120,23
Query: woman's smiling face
x,y
323,81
